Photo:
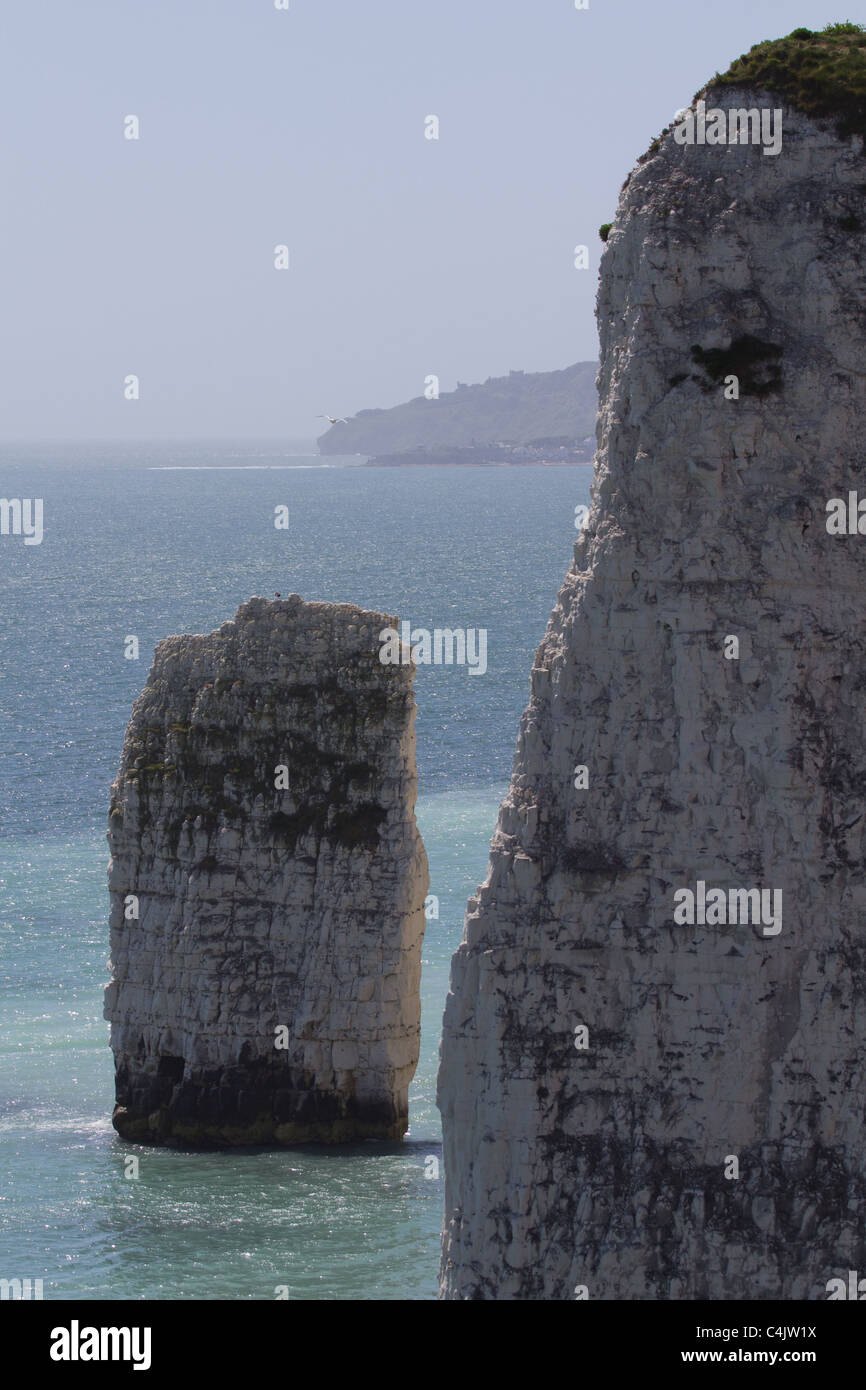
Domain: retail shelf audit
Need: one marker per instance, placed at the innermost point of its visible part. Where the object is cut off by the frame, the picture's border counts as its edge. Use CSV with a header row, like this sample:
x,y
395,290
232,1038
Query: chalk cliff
x,y
262,828
704,1138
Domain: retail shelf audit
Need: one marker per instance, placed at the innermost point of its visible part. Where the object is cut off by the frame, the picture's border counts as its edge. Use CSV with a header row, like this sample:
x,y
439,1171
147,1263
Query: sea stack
x,y
654,1054
267,885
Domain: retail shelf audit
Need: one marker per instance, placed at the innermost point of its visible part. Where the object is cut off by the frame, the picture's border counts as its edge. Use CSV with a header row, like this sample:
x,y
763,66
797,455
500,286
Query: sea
x,y
145,541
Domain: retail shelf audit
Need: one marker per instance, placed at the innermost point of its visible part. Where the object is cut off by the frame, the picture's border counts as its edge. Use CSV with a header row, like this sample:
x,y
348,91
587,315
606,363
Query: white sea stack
x,y
262,828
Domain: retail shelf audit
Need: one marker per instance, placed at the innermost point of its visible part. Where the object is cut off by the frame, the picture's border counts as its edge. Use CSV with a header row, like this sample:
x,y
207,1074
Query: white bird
x,y
333,419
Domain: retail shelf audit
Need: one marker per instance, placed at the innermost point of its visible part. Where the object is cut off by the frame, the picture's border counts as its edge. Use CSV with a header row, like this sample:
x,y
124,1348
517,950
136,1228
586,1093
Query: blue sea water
x,y
152,540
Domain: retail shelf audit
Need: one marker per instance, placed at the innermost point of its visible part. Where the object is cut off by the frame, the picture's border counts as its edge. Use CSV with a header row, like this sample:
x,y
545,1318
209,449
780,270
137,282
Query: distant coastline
x,y
489,463
546,453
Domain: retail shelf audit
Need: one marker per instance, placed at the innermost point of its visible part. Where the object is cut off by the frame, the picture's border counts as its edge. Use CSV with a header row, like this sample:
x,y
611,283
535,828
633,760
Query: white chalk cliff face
x,y
262,828
603,1164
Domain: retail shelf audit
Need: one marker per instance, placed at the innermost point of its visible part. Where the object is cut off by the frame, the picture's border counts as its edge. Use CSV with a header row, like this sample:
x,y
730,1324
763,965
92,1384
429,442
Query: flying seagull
x,y
333,419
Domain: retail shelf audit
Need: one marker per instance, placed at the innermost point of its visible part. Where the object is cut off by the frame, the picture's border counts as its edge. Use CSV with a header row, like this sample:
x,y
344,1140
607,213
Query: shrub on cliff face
x,y
821,74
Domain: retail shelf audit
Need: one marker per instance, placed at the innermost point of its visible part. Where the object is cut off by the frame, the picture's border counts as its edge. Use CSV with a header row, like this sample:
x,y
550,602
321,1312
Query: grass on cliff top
x,y
822,74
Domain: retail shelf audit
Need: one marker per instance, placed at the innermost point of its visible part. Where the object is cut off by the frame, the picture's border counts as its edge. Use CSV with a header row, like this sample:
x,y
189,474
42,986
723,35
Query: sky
x,y
305,128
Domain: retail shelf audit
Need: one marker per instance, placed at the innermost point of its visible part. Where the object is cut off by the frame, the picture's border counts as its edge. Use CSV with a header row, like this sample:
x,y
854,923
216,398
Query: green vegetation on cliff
x,y
822,74
819,72
518,409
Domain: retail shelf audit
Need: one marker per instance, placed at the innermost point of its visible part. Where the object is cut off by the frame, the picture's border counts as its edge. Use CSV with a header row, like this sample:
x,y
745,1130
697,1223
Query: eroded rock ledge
x,y
263,908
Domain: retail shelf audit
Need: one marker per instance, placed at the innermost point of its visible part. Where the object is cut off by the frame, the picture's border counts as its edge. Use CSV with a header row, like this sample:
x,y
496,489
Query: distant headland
x,y
522,418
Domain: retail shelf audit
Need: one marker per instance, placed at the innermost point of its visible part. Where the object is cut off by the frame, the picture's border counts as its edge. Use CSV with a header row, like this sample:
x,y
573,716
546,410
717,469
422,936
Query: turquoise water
x,y
138,543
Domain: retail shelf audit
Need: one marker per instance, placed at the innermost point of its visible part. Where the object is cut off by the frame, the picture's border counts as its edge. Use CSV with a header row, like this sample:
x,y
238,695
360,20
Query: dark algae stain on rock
x,y
267,886
755,365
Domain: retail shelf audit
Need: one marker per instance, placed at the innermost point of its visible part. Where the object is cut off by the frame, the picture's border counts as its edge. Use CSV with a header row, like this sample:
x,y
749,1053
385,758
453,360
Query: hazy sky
x,y
260,127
